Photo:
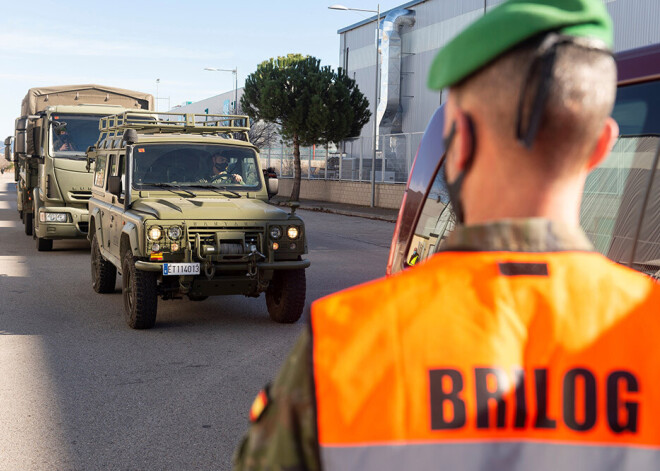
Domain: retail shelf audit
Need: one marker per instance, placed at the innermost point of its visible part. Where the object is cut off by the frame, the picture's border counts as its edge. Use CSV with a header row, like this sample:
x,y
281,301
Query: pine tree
x,y
312,105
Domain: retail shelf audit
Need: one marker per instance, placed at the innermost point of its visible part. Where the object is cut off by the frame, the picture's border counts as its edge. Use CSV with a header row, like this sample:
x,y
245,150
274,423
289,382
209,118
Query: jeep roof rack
x,y
154,123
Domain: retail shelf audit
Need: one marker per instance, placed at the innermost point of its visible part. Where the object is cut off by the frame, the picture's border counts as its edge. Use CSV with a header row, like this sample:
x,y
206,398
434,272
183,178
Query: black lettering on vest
x,y
485,395
523,269
541,383
614,405
439,398
521,399
570,399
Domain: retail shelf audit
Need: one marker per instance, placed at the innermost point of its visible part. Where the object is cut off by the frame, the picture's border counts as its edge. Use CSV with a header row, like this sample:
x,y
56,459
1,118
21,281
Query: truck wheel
x,y
104,273
285,296
140,295
28,221
44,245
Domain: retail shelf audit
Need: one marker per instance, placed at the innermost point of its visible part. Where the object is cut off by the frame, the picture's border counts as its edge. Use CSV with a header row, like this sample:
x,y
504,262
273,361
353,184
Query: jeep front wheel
x,y
104,273
139,293
285,296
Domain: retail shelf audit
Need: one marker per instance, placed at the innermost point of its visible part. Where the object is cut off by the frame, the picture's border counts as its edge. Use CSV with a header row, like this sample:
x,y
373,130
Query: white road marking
x,y
11,265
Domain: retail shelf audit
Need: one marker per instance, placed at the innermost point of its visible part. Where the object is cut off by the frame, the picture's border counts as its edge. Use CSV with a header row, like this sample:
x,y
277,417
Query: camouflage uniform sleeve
x,y
284,436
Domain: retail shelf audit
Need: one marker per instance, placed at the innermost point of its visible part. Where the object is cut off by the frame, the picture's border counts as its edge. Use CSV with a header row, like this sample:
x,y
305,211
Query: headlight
x,y
52,217
155,233
174,232
292,232
275,232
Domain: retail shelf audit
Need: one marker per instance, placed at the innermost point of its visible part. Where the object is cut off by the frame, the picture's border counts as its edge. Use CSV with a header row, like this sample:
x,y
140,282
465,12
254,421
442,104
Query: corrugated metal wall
x,y
437,21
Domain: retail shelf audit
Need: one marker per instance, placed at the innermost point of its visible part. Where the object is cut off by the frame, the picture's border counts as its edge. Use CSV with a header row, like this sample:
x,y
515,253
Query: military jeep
x,y
180,208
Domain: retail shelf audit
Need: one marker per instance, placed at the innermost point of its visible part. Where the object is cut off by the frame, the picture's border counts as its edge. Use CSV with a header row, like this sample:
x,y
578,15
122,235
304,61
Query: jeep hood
x,y
210,208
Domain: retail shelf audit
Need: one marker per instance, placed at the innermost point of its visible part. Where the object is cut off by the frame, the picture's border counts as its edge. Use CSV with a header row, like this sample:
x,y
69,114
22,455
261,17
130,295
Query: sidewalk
x,y
379,214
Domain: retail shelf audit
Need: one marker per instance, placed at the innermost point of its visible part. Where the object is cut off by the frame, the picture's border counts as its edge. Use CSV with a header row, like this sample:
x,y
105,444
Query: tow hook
x,y
252,264
209,269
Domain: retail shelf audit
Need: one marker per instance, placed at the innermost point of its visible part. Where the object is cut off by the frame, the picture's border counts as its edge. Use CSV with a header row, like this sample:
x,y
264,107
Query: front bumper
x,y
76,227
283,265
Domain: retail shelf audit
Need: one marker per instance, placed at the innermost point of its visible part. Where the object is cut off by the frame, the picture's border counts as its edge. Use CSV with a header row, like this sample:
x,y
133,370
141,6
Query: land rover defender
x,y
179,207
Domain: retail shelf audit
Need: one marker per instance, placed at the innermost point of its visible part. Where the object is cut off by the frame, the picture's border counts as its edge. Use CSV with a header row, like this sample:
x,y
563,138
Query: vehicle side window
x,y
113,165
435,223
99,170
121,171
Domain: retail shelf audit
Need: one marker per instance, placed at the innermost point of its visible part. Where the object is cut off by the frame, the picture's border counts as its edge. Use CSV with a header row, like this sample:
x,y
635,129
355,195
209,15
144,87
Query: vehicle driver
x,y
63,141
517,347
220,171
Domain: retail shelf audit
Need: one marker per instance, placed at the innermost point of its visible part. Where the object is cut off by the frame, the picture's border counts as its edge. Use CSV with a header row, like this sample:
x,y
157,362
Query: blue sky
x,y
132,43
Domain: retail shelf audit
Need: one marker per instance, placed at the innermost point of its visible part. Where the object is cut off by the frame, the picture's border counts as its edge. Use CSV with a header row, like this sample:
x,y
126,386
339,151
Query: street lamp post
x,y
235,72
157,84
373,157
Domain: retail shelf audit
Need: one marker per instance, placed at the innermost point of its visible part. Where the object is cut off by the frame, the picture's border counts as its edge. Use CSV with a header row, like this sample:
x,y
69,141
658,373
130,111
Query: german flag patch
x,y
259,405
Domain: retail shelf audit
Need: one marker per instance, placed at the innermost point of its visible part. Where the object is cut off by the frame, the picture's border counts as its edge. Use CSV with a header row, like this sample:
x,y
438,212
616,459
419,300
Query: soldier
x,y
517,346
63,141
220,171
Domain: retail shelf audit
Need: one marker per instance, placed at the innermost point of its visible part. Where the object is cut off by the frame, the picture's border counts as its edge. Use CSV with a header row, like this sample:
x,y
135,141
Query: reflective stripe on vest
x,y
490,356
490,456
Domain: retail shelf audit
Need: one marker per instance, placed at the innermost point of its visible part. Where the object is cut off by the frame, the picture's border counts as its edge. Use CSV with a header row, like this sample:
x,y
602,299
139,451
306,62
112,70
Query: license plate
x,y
180,268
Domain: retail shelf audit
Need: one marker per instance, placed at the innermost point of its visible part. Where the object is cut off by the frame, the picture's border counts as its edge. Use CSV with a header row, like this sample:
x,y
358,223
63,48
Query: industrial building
x,y
409,38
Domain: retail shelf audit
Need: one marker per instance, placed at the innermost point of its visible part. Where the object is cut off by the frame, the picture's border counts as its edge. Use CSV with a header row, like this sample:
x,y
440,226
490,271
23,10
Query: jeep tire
x,y
104,273
285,296
139,293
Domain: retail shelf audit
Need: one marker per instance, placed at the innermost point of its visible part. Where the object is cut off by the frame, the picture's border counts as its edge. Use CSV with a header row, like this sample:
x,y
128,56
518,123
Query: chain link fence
x,y
351,160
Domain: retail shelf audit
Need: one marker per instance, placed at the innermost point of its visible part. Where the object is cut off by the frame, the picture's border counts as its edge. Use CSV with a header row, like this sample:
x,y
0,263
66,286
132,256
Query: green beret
x,y
512,23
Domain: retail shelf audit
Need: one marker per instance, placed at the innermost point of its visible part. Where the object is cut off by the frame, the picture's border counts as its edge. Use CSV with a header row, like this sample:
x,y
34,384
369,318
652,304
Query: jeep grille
x,y
253,235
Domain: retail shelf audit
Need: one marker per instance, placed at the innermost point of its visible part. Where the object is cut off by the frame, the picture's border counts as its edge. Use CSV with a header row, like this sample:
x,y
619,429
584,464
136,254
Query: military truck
x,y
56,126
179,207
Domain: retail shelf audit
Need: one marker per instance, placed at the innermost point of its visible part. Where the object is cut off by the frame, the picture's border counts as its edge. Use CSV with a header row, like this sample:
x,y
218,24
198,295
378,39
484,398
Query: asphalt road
x,y
79,390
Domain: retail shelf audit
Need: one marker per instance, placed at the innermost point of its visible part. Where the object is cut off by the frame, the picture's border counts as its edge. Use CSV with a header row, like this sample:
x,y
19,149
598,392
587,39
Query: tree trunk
x,y
295,191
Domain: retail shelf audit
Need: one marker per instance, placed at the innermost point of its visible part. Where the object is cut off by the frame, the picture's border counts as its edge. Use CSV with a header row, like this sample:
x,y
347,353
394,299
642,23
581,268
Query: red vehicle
x,y
621,201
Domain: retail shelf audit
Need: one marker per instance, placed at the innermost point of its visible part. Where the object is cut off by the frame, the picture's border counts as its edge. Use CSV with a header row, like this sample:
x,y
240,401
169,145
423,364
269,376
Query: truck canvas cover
x,y
38,99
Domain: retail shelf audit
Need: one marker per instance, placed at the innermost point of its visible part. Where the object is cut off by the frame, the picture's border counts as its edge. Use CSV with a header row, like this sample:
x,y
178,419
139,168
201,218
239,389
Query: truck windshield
x,y
195,165
621,199
71,135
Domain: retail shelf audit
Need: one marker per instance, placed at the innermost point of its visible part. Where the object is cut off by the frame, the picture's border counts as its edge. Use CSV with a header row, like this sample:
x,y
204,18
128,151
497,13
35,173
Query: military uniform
x,y
284,435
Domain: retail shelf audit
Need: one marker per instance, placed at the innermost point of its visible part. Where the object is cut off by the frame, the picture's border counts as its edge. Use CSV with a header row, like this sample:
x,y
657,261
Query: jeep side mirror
x,y
272,184
114,185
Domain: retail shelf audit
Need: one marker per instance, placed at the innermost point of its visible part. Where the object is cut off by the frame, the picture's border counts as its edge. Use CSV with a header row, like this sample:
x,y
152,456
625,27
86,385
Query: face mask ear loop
x,y
454,188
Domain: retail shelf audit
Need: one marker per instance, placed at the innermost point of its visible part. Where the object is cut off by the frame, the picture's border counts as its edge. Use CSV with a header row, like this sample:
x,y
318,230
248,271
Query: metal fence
x,y
349,161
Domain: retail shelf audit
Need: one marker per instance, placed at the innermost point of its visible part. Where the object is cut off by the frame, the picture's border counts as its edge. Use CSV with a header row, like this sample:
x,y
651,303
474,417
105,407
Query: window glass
x,y
99,170
195,164
435,223
613,204
71,135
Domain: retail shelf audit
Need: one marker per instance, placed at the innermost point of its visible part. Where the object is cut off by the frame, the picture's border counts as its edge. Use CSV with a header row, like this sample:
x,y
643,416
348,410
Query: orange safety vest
x,y
491,361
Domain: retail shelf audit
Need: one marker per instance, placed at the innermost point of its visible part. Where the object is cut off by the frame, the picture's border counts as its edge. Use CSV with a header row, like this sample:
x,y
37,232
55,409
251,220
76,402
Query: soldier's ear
x,y
608,136
465,140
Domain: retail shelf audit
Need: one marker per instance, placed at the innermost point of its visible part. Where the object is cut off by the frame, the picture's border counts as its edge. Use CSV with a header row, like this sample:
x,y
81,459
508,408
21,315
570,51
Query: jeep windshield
x,y
212,166
71,135
621,200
